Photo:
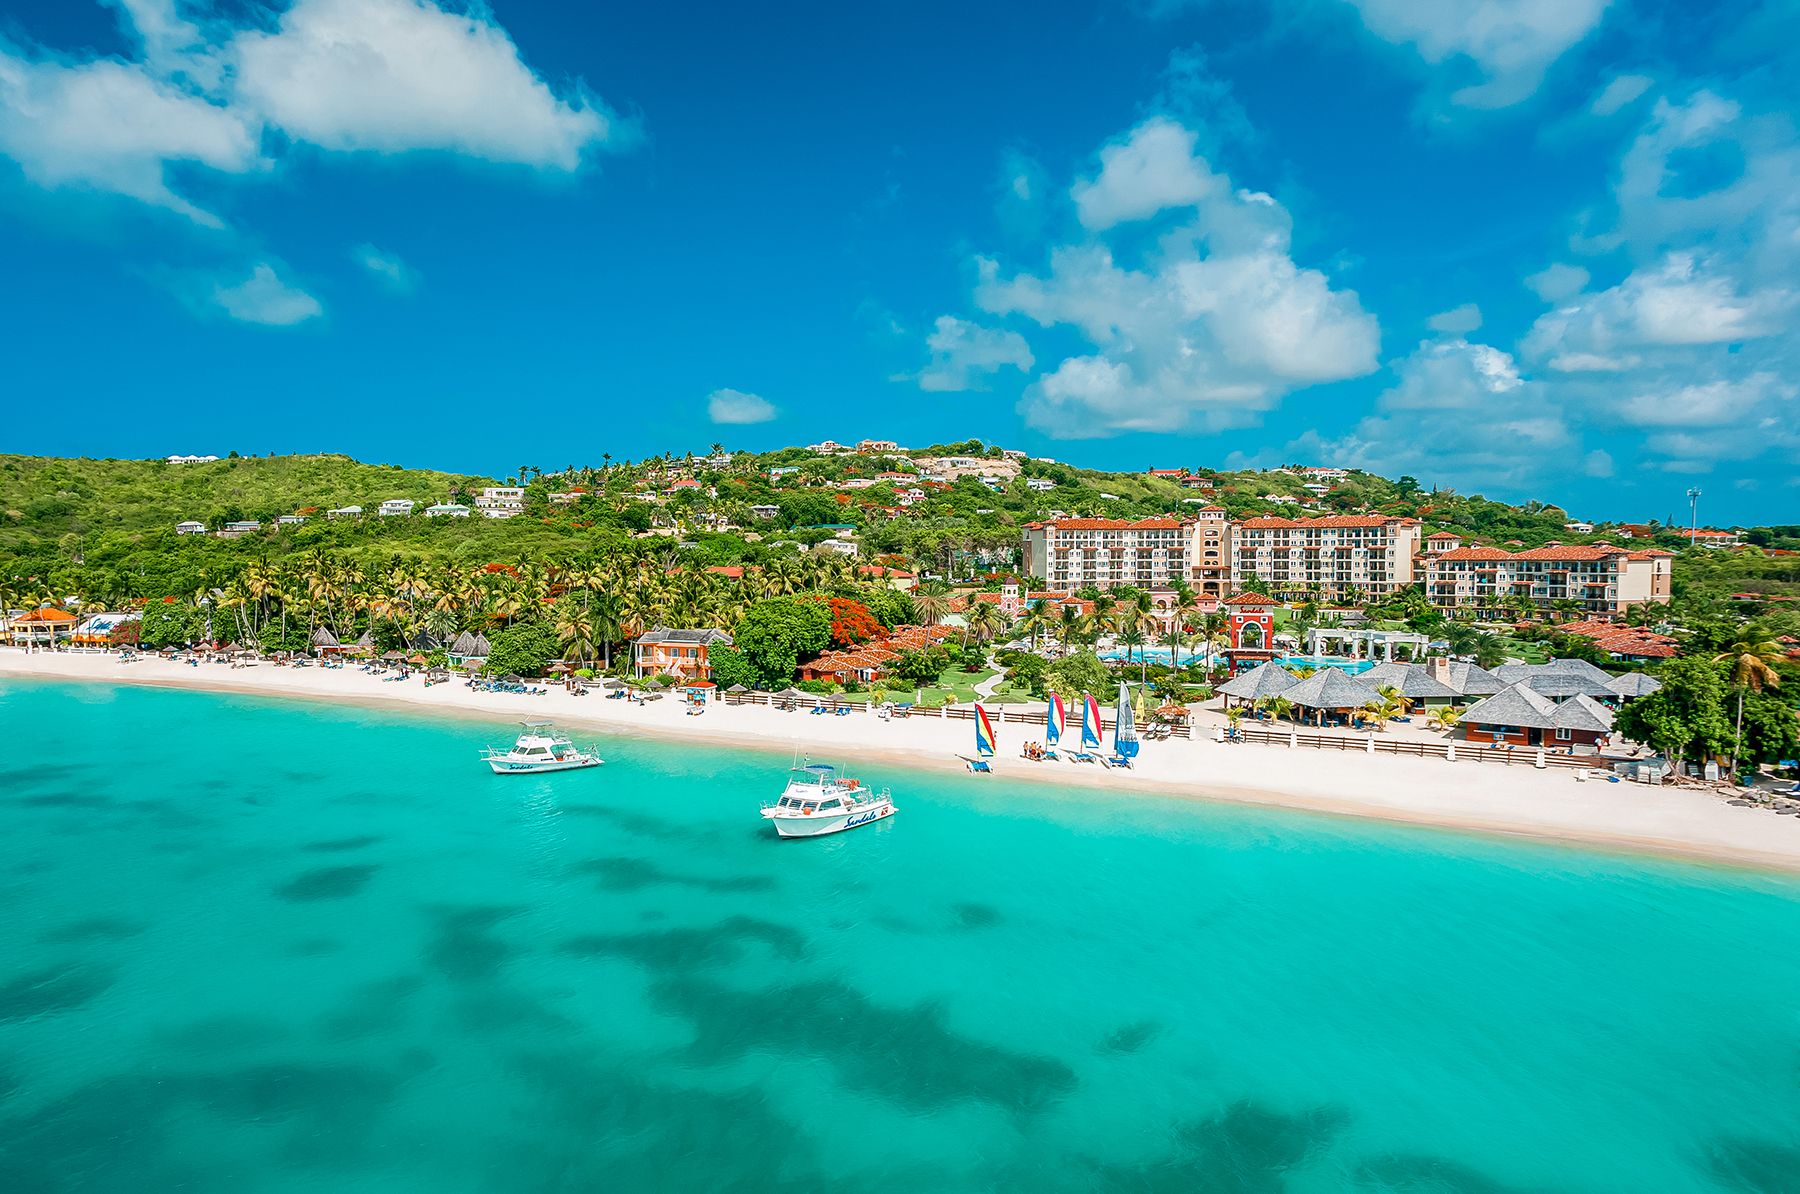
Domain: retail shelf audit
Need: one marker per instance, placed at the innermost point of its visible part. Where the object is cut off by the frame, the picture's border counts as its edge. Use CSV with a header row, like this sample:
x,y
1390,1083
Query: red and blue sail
x,y
984,733
1056,719
1090,722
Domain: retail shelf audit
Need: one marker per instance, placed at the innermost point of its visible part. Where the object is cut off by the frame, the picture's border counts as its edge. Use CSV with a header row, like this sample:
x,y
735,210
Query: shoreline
x,y
1481,799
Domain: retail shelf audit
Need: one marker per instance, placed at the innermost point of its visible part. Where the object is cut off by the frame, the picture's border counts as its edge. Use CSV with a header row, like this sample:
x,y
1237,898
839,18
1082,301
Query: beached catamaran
x,y
984,744
1091,727
1056,720
1125,737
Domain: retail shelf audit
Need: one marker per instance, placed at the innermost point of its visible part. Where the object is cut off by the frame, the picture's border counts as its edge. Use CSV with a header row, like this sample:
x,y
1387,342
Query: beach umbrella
x,y
736,690
418,659
472,665
559,667
788,694
393,655
615,685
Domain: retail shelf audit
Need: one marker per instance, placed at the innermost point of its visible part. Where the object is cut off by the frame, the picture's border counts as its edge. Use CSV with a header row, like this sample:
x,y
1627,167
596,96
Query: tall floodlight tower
x,y
1693,515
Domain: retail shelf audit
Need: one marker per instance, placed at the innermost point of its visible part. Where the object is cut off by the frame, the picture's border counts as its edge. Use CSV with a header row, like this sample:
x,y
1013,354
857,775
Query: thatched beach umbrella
x,y
559,667
394,655
736,690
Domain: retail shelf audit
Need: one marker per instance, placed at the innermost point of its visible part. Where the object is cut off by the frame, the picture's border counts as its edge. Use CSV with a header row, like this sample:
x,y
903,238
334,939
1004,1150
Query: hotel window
x,y
1563,735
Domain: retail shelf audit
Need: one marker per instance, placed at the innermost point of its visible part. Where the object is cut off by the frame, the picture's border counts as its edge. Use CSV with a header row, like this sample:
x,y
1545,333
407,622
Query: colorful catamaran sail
x,y
1091,725
1056,719
1125,738
984,733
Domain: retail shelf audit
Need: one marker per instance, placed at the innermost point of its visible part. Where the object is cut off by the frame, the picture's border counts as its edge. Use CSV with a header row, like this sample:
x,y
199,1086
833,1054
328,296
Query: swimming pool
x,y
1163,655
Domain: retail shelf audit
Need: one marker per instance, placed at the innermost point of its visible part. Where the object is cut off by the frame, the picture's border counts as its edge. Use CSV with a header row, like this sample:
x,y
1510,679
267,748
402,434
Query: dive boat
x,y
819,801
540,748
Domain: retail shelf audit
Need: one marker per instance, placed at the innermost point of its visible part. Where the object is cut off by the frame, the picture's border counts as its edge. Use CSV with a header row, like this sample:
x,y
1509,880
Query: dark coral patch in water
x,y
1406,1173
1131,1038
687,949
95,928
464,947
619,1131
51,990
976,916
326,883
635,874
907,1055
339,845
1755,1166
1247,1148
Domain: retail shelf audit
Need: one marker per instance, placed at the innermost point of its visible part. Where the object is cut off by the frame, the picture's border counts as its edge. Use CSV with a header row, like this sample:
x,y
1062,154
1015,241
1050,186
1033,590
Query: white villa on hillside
x,y
190,528
192,459
345,512
446,510
501,497
396,506
289,520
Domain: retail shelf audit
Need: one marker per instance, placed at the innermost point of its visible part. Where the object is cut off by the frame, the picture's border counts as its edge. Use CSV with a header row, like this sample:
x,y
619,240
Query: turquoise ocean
x,y
250,945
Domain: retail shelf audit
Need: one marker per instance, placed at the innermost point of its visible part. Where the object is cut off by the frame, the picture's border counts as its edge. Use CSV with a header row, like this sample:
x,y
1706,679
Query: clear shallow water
x,y
346,959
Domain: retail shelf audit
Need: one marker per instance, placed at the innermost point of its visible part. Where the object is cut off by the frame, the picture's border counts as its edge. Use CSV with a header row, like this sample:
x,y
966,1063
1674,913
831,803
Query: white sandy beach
x,y
1481,797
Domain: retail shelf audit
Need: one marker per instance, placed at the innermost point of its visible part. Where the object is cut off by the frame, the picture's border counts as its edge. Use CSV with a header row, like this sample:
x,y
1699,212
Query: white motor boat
x,y
819,801
540,748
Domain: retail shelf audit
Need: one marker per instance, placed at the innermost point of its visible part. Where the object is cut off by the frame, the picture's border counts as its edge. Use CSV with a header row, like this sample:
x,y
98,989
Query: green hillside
x,y
51,496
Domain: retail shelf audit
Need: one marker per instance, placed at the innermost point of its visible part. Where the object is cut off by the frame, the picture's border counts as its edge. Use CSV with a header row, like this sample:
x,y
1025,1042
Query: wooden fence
x,y
1522,756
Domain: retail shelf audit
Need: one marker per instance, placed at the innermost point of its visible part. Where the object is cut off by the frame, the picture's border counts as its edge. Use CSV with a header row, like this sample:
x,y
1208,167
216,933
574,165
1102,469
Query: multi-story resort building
x,y
1209,553
1601,579
1296,558
1069,553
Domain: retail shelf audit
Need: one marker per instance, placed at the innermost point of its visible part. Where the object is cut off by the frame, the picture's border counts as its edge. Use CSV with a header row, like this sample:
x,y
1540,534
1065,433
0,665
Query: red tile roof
x,y
1272,523
1249,599
1113,524
47,614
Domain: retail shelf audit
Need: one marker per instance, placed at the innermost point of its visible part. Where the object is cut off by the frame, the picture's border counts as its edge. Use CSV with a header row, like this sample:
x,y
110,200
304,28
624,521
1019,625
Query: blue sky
x,y
1530,248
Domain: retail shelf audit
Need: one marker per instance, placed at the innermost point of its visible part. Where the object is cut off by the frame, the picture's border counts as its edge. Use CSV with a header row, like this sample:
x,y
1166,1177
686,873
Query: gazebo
x,y
1259,683
323,642
1416,686
1329,691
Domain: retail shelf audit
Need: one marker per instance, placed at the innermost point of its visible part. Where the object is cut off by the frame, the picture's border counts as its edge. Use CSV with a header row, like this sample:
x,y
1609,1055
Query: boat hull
x,y
820,825
509,767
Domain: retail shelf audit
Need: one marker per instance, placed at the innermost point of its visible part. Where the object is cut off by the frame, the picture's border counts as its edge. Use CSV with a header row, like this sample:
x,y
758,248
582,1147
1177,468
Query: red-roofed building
x,y
868,662
1297,558
1601,579
41,627
1069,553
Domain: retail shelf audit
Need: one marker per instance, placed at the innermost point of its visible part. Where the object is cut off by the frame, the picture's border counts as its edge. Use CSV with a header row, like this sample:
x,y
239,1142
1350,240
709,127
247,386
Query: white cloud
x,y
375,75
264,298
737,407
1216,322
1680,302
963,354
1460,411
1506,44
1620,92
393,272
109,126
1153,169
398,75
1558,281
1720,403
1457,321
1598,463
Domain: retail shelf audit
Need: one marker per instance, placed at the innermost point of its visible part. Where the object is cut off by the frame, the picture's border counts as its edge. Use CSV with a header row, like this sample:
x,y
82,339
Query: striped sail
x,y
1090,722
1125,738
1056,719
984,733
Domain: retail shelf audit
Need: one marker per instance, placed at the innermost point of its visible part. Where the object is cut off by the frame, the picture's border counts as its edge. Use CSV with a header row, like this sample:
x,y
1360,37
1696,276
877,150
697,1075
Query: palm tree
x,y
984,621
1444,718
1752,655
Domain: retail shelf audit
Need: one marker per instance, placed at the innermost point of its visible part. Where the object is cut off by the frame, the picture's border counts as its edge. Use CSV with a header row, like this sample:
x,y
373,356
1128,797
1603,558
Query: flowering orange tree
x,y
852,623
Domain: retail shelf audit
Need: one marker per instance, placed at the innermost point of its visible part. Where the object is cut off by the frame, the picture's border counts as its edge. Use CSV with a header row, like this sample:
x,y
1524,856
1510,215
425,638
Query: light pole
x,y
1693,515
